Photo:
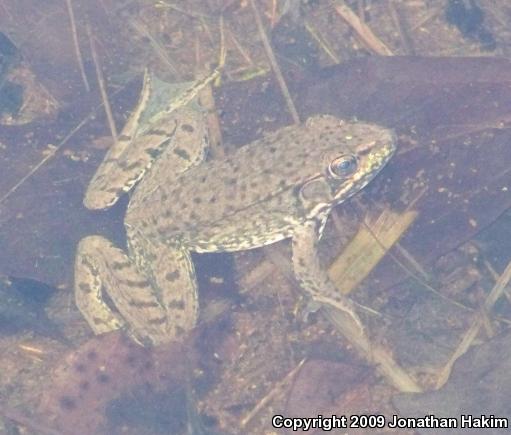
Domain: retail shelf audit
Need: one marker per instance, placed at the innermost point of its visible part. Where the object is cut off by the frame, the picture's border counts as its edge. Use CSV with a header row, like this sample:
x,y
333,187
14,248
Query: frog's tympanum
x,y
280,186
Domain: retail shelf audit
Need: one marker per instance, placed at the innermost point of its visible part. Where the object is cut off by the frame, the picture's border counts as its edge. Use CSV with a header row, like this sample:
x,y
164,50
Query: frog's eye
x,y
343,166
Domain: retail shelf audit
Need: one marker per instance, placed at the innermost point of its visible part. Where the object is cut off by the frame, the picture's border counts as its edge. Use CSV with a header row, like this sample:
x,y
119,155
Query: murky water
x,y
423,250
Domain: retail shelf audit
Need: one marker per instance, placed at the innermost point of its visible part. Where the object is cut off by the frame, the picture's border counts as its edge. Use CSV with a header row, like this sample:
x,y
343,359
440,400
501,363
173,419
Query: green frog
x,y
280,186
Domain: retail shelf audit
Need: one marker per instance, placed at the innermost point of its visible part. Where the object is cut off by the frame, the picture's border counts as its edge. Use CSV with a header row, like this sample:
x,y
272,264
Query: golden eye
x,y
343,166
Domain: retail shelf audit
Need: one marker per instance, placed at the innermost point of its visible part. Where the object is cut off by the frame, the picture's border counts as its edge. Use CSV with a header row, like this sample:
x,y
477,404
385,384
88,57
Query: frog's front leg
x,y
313,278
148,313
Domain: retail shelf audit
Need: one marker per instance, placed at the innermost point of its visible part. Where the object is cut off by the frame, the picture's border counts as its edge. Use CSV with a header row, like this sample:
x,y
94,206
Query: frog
x,y
280,186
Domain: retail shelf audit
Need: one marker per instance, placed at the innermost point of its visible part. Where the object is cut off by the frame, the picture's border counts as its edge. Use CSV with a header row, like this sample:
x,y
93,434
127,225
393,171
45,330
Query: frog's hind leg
x,y
163,123
101,266
171,269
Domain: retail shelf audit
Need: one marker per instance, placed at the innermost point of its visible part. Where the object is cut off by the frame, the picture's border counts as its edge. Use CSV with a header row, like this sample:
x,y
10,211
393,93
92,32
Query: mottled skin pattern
x,y
280,186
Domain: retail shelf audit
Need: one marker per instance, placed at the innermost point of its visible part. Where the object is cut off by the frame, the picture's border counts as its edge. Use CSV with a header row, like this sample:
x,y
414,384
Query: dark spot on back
x,y
153,152
157,321
163,145
85,287
143,283
172,276
182,153
67,403
188,128
103,378
178,304
131,360
119,265
156,132
92,355
141,304
180,331
80,368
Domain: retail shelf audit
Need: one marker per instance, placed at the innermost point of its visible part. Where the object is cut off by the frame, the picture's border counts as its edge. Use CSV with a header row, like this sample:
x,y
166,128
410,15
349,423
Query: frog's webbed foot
x,y
101,266
312,277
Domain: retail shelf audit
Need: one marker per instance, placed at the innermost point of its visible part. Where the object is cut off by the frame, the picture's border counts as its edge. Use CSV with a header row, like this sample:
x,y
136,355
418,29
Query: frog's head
x,y
353,154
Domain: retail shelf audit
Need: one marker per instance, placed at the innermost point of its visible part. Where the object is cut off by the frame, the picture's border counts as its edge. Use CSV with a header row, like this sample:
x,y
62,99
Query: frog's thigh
x,y
173,273
313,278
101,266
